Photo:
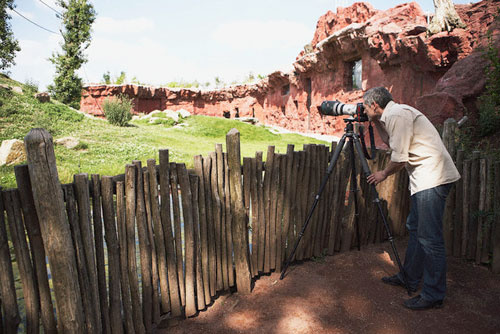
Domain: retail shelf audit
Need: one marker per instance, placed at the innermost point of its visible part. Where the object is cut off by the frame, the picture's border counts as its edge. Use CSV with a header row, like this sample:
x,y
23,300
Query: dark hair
x,y
377,94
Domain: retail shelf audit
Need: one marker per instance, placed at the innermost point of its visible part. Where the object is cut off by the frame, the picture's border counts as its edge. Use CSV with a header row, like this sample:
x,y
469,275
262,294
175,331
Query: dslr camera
x,y
337,108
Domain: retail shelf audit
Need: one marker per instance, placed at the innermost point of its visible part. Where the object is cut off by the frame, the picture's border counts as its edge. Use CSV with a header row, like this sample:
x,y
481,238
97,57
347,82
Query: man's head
x,y
375,100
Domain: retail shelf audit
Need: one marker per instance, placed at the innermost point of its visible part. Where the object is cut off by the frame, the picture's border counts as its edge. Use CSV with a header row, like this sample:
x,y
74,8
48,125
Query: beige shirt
x,y
414,140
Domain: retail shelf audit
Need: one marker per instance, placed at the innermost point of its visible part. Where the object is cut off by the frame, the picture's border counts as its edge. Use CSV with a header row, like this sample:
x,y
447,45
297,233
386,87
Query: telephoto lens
x,y
337,108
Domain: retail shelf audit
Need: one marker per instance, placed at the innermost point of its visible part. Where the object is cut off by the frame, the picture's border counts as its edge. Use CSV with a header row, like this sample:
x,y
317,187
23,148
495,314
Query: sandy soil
x,y
344,294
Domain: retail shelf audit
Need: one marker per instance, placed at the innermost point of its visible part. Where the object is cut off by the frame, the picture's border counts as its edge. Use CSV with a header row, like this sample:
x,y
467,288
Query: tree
x,y
77,17
445,17
9,45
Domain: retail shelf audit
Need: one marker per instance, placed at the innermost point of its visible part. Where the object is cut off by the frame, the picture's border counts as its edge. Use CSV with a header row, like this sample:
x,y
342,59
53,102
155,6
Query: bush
x,y
117,110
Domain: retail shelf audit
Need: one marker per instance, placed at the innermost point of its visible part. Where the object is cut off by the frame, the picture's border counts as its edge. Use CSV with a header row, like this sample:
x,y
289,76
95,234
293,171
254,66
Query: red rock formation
x,y
394,50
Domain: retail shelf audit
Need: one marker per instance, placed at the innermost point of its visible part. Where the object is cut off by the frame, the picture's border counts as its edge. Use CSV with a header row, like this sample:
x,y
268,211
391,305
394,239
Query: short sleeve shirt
x,y
414,140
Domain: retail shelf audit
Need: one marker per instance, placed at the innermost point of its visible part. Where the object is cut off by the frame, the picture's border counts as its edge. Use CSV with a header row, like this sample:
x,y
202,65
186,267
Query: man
x,y
416,145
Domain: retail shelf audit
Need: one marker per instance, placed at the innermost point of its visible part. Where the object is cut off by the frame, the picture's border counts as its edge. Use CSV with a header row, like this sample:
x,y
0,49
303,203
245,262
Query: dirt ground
x,y
344,294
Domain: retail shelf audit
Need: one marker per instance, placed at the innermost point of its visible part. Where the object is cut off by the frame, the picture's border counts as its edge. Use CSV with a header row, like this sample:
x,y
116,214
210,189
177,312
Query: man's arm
x,y
381,131
379,176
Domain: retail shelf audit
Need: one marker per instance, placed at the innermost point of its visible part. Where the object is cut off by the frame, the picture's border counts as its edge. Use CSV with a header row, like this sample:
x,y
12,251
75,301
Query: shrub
x,y
117,110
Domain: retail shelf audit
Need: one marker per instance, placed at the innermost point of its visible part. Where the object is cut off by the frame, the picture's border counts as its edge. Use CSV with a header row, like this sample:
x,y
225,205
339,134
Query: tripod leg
x,y
354,190
366,171
332,164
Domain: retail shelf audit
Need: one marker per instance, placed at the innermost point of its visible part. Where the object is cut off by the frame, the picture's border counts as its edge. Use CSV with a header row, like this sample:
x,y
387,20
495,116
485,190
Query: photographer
x,y
416,145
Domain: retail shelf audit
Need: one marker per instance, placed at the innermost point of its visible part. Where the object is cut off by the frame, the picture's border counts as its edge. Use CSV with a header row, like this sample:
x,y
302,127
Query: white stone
x,y
184,113
68,142
155,112
172,114
12,152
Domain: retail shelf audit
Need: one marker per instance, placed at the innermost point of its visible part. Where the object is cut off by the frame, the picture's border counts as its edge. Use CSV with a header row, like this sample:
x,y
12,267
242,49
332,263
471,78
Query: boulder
x,y
68,142
12,152
43,97
184,113
172,114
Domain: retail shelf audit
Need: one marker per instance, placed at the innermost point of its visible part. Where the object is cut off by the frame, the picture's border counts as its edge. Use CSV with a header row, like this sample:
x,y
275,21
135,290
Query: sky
x,y
160,41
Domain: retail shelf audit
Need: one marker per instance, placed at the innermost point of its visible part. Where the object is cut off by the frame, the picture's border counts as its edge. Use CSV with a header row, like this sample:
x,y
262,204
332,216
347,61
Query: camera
x,y
337,108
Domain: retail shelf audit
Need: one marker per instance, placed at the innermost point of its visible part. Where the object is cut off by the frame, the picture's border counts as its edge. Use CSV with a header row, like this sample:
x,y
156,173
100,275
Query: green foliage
x,y
31,86
9,45
107,78
121,78
118,110
77,18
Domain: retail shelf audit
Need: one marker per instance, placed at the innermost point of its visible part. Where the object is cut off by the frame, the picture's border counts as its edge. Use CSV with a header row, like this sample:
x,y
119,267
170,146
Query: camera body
x,y
337,108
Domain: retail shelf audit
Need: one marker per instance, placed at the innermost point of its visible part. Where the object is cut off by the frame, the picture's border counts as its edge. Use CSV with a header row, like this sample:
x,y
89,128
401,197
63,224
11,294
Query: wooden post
x,y
466,206
279,212
113,249
56,234
261,217
159,236
481,221
189,241
240,233
130,214
229,219
222,196
273,195
28,280
248,180
173,280
121,222
474,206
11,318
458,221
199,283
198,166
289,190
99,251
217,222
212,256
449,129
267,207
144,249
495,265
37,248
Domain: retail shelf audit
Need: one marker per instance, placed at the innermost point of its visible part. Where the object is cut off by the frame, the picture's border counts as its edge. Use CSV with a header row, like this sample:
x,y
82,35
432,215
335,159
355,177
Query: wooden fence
x,y
159,241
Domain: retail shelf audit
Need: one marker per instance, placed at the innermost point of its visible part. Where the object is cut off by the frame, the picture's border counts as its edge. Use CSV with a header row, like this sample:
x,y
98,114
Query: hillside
x,y
105,149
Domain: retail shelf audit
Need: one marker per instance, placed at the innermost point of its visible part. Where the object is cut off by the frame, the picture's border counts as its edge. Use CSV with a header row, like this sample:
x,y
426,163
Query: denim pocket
x,y
443,190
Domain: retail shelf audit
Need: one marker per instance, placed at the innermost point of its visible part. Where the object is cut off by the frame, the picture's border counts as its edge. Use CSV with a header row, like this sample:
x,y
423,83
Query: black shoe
x,y
395,280
418,303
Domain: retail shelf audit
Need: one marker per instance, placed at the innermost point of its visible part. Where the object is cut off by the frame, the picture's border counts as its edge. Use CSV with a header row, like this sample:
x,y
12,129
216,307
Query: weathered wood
x,y
209,204
335,189
466,206
249,203
158,237
155,279
309,189
273,195
489,218
240,233
200,290
56,234
78,244
99,252
294,209
255,216
267,207
203,241
261,213
229,222
474,206
495,263
189,240
458,221
37,248
288,191
301,201
113,250
222,196
144,249
81,182
217,222
481,221
320,173
279,212
177,231
166,227
121,223
26,273
11,318
130,218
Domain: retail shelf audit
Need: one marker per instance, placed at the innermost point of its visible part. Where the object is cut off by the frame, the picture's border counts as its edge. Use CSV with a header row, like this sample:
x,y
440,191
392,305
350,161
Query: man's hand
x,y
377,177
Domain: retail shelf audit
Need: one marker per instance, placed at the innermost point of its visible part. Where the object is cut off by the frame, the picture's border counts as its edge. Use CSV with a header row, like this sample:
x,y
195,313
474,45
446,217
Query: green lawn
x,y
105,149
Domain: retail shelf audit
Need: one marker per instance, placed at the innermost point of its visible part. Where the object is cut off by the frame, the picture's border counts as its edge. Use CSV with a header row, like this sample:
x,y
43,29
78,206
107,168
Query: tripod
x,y
353,143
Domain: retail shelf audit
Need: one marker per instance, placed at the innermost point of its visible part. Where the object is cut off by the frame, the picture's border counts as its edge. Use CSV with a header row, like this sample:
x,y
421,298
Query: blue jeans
x,y
426,254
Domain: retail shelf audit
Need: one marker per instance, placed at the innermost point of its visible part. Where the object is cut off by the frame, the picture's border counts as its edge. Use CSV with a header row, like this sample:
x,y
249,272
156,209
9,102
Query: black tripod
x,y
354,142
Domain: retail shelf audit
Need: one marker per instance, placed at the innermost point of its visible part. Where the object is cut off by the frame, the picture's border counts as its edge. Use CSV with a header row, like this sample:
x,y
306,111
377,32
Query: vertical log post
x,y
212,260
56,234
458,221
495,266
37,249
240,233
11,318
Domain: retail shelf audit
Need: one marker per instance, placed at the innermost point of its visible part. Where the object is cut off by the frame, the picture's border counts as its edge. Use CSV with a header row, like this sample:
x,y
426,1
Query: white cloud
x,y
114,26
251,34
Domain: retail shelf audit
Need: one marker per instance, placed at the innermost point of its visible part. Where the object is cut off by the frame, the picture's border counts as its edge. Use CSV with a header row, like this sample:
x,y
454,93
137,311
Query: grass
x,y
105,149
